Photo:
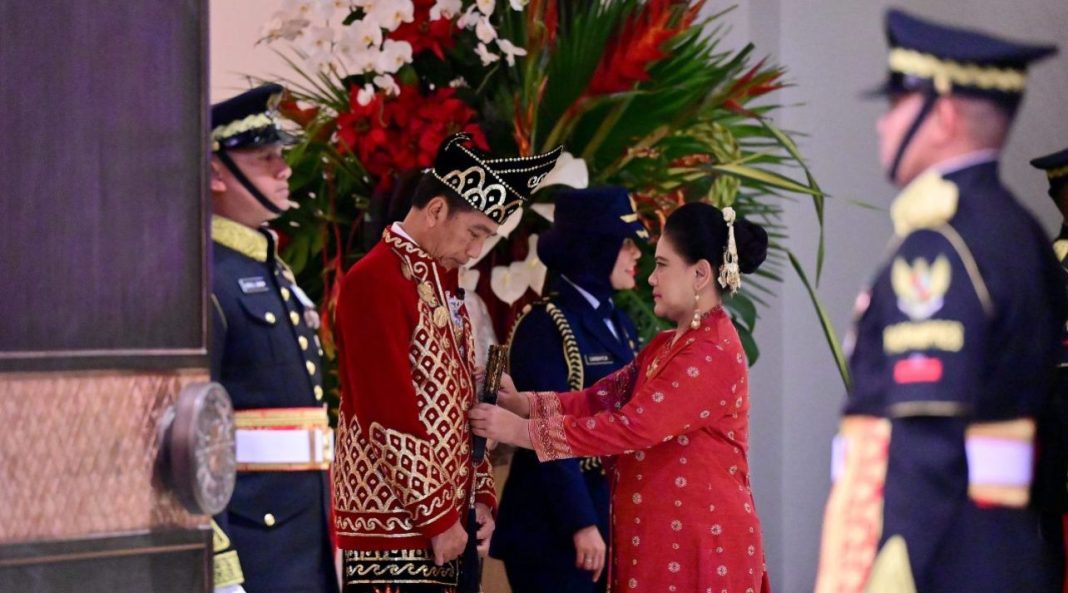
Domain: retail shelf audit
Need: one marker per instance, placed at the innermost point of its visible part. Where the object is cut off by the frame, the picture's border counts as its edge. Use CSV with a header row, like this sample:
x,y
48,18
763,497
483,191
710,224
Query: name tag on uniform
x,y
252,285
598,359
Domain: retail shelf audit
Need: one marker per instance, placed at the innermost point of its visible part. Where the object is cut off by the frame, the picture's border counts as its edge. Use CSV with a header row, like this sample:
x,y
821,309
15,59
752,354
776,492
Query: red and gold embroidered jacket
x,y
402,471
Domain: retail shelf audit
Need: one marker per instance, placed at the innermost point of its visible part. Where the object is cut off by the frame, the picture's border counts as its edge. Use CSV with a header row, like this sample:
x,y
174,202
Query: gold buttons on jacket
x,y
303,342
311,367
285,293
269,317
318,392
269,520
294,317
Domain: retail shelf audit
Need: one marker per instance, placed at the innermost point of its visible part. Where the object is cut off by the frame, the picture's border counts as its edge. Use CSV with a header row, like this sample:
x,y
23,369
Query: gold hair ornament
x,y
730,275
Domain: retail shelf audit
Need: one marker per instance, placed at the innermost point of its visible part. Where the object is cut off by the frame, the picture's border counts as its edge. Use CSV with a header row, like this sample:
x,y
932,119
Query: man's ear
x,y
948,120
437,210
217,184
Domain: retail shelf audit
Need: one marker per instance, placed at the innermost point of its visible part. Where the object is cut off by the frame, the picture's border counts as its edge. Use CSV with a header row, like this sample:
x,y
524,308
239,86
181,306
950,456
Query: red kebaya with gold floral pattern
x,y
677,421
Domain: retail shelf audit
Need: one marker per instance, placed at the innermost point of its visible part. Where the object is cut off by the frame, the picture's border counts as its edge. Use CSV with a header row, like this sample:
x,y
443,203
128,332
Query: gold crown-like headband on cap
x,y
946,73
252,122
1058,172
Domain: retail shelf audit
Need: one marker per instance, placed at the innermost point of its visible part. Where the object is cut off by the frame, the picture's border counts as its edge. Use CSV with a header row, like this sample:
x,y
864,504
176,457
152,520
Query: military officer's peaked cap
x,y
249,120
497,187
605,210
1056,167
926,56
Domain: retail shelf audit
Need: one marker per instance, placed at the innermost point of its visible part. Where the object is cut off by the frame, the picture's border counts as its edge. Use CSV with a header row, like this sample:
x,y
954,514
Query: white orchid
x,y
365,95
388,84
510,50
281,26
469,18
310,10
318,61
317,42
366,32
446,9
485,31
361,60
486,6
518,5
393,55
344,7
391,13
486,55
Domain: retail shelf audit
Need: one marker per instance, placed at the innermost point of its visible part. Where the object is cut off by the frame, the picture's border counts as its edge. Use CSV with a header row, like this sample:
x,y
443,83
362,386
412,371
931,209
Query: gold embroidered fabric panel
x,y
78,454
358,485
415,476
397,567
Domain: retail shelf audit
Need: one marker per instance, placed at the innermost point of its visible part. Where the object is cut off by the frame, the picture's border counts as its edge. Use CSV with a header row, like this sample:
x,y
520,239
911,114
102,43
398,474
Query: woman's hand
x,y
510,399
496,423
590,550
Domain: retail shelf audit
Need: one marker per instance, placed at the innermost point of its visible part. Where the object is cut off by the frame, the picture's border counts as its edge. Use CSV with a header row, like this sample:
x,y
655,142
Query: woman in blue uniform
x,y
553,519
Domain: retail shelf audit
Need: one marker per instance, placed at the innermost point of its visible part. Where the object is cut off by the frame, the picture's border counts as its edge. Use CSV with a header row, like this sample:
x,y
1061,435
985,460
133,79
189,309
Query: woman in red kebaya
x,y
676,419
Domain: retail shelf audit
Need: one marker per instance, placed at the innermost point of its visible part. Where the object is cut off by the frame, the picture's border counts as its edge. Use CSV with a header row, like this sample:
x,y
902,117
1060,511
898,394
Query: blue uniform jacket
x,y
267,356
963,327
544,504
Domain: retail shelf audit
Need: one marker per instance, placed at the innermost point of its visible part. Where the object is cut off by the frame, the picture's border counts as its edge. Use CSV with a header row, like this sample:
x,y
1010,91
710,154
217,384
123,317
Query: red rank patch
x,y
918,369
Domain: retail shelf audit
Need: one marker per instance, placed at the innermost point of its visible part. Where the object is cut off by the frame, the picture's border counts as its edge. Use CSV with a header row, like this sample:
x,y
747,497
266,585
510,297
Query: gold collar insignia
x,y
242,239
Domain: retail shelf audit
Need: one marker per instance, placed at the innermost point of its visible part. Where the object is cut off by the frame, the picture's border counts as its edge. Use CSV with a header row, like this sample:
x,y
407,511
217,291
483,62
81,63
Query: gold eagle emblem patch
x,y
920,287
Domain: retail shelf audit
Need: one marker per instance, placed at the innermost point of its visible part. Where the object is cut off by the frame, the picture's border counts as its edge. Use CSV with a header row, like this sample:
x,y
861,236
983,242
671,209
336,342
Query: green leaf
x,y
825,323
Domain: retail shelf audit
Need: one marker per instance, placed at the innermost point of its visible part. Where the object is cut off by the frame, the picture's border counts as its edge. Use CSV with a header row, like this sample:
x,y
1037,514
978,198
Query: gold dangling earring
x,y
696,321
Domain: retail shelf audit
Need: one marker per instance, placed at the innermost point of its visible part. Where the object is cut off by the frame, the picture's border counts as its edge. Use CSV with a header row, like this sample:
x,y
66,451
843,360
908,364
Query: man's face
x,y
267,170
459,238
892,127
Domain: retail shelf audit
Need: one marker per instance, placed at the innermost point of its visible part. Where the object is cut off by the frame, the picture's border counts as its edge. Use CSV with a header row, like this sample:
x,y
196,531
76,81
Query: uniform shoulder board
x,y
927,203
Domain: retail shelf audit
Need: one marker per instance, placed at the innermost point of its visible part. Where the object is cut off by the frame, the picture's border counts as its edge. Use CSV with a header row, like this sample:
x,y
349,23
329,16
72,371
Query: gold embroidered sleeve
x,y
413,474
549,439
543,404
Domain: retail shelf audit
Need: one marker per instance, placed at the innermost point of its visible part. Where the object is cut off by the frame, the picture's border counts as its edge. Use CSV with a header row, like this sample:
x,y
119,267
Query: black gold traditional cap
x,y
248,120
494,186
1056,167
927,56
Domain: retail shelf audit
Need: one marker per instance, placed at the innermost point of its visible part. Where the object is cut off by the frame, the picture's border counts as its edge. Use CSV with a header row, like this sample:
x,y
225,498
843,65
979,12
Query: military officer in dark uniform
x,y
273,535
954,343
553,518
1051,477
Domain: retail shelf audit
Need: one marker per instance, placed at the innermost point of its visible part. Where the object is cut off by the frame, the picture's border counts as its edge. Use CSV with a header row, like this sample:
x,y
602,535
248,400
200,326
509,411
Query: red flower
x,y
390,135
628,56
423,33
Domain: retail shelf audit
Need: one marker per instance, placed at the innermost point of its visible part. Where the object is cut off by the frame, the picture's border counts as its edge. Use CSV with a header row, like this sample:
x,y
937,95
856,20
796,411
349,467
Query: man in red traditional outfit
x,y
404,477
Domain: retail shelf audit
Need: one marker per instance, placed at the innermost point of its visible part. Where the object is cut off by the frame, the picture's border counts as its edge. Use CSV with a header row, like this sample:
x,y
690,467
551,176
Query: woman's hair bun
x,y
698,231
752,242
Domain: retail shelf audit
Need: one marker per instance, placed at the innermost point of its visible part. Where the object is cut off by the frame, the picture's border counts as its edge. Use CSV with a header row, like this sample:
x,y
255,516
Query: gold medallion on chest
x,y
426,294
441,316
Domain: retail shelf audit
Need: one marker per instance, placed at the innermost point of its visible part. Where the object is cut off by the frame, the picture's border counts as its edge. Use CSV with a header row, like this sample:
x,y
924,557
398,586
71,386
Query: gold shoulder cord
x,y
572,356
